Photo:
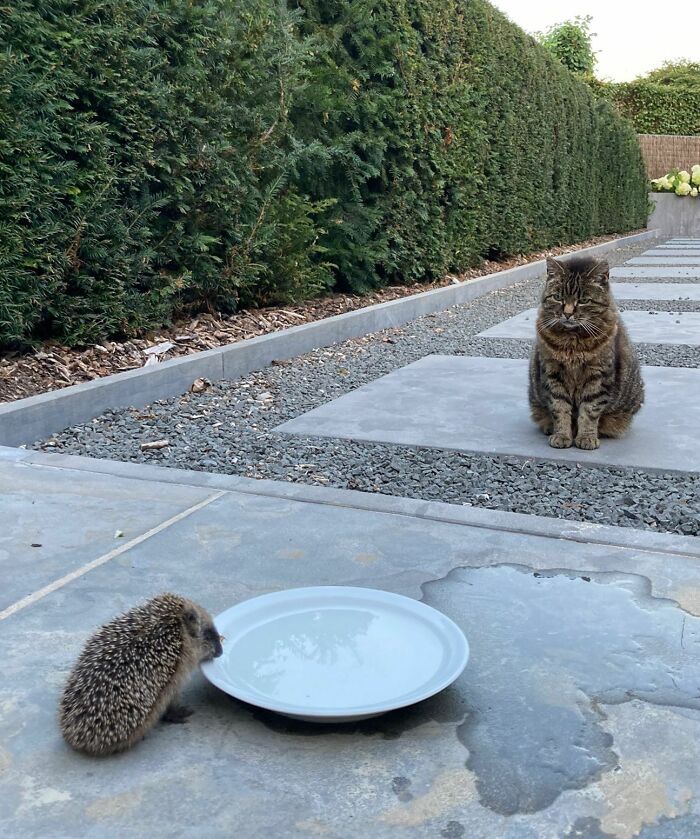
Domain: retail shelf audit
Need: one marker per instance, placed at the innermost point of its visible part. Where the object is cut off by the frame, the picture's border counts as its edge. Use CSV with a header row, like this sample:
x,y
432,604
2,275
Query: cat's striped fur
x,y
585,378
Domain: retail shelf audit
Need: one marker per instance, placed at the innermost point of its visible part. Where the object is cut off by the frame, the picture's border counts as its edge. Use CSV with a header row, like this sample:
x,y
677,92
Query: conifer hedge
x,y
164,155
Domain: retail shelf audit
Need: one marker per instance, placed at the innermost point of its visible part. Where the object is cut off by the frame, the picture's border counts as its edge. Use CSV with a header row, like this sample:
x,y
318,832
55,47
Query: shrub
x,y
163,155
455,136
665,101
570,43
144,164
679,181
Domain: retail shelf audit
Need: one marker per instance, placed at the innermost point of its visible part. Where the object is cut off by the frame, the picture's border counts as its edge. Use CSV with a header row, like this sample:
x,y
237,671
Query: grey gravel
x,y
230,429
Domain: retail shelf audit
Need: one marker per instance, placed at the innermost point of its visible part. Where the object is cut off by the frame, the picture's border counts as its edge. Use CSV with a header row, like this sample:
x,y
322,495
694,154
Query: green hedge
x,y
164,155
654,108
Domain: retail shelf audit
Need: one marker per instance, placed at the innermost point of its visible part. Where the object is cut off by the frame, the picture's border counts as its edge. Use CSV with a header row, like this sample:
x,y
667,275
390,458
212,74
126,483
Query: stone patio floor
x,y
578,715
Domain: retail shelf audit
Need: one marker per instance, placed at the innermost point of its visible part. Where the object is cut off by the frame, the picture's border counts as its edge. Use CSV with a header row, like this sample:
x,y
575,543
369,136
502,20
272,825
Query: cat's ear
x,y
555,270
600,273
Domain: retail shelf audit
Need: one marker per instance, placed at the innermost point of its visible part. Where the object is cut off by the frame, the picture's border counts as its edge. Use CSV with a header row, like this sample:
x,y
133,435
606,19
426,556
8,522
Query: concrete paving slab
x,y
659,272
579,699
480,404
644,327
527,524
656,291
676,250
51,522
666,250
663,260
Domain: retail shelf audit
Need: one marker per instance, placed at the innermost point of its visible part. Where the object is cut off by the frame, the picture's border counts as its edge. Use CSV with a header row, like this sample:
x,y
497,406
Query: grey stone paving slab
x,y
664,260
656,291
662,272
52,523
528,524
644,327
577,716
663,250
480,404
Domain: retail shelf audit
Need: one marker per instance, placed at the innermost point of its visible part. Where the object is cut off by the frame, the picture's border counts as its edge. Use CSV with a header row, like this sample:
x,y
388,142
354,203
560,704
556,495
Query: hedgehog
x,y
130,672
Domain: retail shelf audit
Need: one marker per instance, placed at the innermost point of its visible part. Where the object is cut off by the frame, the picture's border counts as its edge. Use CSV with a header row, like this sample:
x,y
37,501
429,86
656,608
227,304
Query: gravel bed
x,y
230,429
655,355
660,305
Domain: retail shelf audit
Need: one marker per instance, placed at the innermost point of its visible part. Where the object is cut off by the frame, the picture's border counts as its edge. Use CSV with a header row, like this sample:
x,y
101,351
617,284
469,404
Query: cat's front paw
x,y
587,441
560,441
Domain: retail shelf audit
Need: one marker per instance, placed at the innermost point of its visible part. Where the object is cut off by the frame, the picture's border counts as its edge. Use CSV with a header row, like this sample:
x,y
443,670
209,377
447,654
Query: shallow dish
x,y
335,653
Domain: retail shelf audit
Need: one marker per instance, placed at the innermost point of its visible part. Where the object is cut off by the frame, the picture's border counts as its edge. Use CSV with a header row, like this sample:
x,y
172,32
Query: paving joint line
x,y
61,582
571,531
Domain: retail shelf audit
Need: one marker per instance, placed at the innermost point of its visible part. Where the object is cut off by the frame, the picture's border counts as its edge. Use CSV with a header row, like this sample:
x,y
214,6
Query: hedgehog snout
x,y
218,649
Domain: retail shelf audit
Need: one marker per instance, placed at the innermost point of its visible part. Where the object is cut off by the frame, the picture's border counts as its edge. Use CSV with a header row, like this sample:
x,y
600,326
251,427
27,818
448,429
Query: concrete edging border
x,y
521,523
37,417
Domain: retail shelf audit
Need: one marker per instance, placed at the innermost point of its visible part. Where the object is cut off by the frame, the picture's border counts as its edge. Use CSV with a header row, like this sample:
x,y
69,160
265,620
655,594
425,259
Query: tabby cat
x,y
585,379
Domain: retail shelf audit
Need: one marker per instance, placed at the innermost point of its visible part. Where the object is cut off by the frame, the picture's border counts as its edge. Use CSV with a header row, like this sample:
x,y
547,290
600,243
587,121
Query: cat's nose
x,y
569,309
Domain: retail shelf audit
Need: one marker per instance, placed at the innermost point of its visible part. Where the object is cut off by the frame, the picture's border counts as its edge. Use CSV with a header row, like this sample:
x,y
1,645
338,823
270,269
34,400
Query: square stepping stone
x,y
658,272
669,252
644,327
480,405
664,260
656,291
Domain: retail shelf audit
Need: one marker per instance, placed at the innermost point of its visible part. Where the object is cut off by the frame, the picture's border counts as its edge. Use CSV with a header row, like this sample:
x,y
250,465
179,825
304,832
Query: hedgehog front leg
x,y
176,713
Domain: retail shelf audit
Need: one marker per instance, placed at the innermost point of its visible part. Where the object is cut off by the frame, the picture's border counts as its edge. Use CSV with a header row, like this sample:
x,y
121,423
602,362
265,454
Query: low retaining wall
x,y
38,417
675,216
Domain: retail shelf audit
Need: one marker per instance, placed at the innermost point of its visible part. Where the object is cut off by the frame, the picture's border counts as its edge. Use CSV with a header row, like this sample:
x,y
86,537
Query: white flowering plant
x,y
680,181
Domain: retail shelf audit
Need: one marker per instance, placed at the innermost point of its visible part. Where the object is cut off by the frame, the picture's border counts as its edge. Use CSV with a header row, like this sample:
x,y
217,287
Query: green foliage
x,y
164,155
144,164
570,43
684,74
664,101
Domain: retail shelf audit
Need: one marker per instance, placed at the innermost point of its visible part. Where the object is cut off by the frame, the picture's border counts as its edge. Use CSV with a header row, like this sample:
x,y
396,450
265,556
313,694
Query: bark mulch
x,y
52,366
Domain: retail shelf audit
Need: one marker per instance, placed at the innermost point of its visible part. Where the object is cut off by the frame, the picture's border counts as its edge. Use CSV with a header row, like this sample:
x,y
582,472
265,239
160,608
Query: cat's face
x,y
576,297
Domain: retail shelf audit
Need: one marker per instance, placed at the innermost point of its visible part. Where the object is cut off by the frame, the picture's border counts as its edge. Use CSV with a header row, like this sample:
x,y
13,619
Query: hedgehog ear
x,y
191,621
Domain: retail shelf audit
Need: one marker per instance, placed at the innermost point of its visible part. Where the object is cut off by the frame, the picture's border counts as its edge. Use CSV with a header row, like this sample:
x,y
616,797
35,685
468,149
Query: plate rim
x,y
462,650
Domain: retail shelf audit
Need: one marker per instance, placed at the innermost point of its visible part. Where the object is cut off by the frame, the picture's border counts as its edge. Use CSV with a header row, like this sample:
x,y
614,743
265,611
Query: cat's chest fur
x,y
575,365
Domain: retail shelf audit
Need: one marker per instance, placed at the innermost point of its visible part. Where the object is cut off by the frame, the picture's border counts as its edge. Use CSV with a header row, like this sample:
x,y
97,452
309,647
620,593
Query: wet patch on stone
x,y
680,827
587,828
400,786
453,830
548,649
447,707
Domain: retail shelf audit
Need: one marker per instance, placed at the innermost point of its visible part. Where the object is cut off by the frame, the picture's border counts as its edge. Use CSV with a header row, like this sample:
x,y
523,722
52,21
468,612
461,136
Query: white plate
x,y
335,653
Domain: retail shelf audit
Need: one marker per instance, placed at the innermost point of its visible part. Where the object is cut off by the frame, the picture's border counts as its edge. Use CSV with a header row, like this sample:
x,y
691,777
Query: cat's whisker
x,y
591,328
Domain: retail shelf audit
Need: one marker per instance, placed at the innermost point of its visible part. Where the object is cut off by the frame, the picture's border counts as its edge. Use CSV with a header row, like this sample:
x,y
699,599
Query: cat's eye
x,y
554,300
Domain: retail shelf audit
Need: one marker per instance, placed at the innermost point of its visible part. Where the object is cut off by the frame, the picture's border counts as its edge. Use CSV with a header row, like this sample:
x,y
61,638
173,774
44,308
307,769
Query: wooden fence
x,y
663,152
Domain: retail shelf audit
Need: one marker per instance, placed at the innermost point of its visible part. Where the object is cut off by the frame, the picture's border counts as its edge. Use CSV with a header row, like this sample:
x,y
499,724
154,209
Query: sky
x,y
632,37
